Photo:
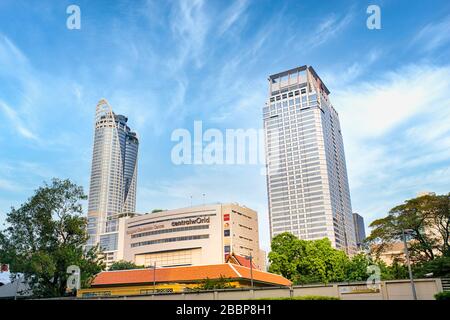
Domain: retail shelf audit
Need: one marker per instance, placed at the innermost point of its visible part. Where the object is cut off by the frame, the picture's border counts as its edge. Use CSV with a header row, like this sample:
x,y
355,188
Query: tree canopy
x,y
428,217
303,261
47,234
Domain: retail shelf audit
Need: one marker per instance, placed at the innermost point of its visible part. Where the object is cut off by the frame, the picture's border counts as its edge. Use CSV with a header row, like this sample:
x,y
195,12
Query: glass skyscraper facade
x,y
307,182
360,232
112,192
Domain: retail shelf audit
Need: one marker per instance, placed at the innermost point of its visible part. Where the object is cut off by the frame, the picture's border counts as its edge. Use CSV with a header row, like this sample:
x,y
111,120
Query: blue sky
x,y
165,64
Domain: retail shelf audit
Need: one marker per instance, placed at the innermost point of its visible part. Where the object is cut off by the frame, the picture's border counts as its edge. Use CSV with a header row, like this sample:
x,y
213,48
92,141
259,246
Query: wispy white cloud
x,y
18,123
11,56
241,78
433,35
375,107
232,15
396,135
9,185
31,94
190,25
328,28
341,76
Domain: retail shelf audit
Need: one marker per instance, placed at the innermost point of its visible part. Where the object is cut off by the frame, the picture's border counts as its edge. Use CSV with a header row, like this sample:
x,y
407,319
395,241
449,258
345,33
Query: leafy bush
x,y
440,267
213,284
124,265
445,295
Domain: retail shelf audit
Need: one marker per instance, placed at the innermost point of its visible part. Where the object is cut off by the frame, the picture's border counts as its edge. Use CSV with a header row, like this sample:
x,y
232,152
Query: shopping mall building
x,y
200,235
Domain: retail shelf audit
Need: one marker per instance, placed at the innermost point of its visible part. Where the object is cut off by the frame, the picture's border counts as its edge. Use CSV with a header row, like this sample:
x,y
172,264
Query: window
x,y
150,233
186,238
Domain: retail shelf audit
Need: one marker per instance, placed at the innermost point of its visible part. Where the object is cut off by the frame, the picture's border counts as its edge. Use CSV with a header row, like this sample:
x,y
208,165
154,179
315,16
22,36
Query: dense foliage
x,y
46,235
303,261
124,265
306,261
212,284
428,219
444,295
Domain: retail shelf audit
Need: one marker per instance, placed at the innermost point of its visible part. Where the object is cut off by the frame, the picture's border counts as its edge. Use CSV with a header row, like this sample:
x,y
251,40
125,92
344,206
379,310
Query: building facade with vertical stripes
x,y
307,184
112,191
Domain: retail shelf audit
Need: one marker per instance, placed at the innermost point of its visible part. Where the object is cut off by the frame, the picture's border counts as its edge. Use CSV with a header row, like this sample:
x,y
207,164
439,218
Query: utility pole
x,y
17,277
251,268
413,287
154,277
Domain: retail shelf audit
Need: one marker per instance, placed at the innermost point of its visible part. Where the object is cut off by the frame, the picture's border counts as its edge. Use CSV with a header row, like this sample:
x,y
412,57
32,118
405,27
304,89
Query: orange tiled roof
x,y
240,260
185,274
262,276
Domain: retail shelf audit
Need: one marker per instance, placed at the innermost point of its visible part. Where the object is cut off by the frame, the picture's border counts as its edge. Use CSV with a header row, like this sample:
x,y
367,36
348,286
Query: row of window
x,y
151,233
176,239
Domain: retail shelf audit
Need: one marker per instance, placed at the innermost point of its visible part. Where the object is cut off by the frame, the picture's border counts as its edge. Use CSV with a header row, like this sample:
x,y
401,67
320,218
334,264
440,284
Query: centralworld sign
x,y
181,222
186,222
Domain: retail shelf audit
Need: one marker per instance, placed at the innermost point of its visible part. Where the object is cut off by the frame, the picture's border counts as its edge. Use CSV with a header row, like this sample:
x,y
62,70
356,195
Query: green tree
x,y
304,261
439,267
286,252
322,262
124,265
47,234
429,219
357,267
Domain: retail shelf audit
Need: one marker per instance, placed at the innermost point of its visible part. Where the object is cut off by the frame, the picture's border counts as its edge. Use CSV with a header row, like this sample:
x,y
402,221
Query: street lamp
x,y
251,268
413,287
154,276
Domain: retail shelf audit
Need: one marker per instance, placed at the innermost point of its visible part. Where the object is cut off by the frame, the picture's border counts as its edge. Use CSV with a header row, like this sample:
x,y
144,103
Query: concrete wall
x,y
425,289
388,290
316,290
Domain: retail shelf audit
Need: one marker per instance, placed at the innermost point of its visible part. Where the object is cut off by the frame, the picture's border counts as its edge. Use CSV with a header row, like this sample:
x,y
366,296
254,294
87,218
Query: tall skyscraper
x,y
306,173
360,232
112,192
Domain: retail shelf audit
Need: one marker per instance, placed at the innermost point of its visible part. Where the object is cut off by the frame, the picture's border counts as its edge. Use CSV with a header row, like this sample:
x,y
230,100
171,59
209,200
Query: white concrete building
x,y
199,235
306,172
112,191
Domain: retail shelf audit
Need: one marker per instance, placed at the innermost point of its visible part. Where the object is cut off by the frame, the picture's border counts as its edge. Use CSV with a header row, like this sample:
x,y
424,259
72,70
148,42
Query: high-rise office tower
x,y
306,173
112,192
360,232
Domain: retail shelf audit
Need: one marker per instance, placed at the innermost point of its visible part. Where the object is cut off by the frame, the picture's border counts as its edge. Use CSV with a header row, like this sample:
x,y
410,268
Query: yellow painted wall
x,y
139,290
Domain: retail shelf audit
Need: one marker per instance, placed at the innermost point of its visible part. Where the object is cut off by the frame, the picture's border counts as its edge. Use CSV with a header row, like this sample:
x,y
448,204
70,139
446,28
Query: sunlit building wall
x,y
307,182
112,192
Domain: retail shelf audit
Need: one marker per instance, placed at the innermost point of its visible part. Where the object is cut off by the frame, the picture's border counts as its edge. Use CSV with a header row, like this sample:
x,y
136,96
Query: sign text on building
x,y
186,222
